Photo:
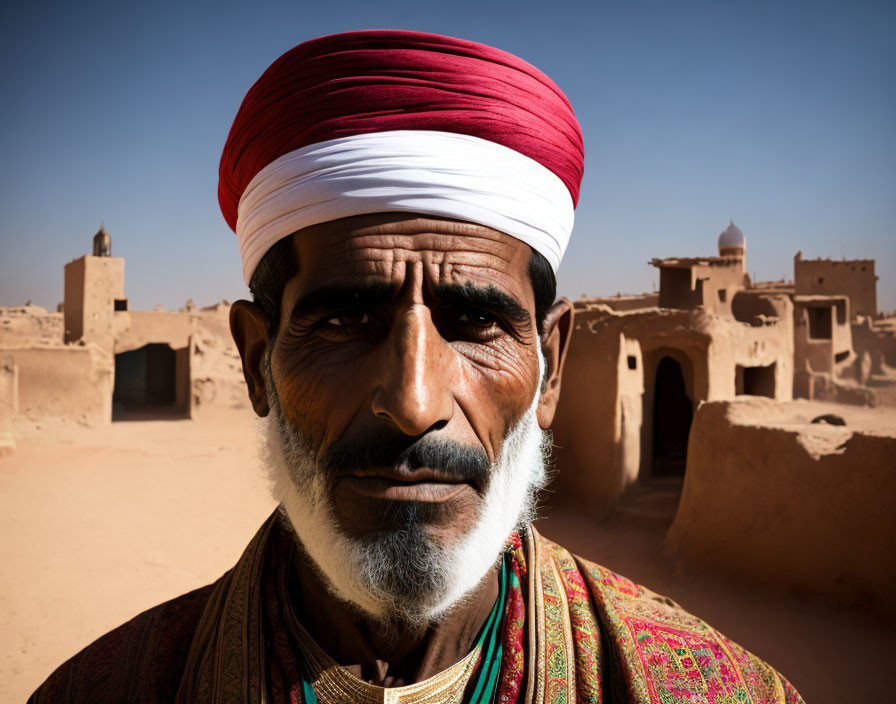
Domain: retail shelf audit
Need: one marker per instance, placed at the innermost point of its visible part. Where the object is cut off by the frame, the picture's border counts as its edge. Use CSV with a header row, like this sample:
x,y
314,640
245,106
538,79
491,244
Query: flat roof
x,y
833,298
691,262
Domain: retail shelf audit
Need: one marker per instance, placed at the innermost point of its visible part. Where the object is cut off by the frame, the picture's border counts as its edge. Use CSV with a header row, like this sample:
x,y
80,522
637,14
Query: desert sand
x,y
101,523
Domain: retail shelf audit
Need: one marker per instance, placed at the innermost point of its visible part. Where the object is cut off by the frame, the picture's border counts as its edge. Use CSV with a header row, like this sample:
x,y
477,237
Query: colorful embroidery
x,y
573,631
585,632
514,657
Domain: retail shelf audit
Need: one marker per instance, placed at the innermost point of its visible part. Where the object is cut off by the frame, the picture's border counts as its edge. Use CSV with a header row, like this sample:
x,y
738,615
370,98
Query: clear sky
x,y
780,115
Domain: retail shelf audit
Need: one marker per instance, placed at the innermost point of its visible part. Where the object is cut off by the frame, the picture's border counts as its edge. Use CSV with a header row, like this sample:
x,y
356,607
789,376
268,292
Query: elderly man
x,y
402,201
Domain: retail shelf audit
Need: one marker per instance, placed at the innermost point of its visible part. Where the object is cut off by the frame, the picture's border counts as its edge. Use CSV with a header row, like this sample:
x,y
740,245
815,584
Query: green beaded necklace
x,y
489,641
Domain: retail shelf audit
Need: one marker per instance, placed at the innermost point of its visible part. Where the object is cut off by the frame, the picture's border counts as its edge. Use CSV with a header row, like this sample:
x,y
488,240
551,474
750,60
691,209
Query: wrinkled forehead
x,y
390,248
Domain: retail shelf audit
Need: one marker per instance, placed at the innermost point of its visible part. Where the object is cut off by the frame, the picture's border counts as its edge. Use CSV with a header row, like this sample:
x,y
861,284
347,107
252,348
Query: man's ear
x,y
554,343
249,327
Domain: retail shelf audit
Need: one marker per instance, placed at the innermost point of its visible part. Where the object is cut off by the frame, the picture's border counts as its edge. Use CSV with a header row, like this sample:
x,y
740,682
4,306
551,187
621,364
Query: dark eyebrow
x,y
332,298
487,297
327,299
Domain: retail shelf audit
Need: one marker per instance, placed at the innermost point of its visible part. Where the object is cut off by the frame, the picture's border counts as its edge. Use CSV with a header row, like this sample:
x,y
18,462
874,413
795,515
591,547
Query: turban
x,y
394,121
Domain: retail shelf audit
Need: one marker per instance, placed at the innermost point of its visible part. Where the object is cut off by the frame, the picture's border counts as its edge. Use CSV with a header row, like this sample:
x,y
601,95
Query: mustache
x,y
380,449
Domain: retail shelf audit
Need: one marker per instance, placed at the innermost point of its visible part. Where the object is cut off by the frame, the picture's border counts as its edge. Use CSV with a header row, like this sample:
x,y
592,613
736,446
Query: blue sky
x,y
780,115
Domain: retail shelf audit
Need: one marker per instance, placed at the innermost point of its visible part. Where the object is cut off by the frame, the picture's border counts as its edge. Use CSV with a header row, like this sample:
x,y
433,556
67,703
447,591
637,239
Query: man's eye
x,y
476,318
347,319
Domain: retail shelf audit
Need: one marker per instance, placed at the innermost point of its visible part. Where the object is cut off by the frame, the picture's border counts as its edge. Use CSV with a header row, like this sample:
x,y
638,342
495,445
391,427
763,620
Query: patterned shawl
x,y
573,631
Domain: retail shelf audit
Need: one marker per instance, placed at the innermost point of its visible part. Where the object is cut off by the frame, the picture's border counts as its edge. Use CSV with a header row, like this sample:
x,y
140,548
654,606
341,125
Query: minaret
x,y
102,243
94,290
733,245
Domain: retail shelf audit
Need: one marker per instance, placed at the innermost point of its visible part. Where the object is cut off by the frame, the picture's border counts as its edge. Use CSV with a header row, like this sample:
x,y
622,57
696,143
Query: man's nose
x,y
415,390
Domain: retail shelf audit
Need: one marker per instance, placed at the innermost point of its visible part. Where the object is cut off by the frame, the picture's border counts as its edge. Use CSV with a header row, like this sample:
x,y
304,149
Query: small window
x,y
821,279
121,304
632,362
755,381
723,295
863,268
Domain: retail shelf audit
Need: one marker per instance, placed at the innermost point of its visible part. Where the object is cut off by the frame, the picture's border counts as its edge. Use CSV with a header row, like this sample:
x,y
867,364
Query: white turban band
x,y
418,171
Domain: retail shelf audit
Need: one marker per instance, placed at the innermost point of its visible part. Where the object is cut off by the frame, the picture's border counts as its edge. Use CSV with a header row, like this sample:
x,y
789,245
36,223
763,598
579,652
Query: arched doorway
x,y
673,412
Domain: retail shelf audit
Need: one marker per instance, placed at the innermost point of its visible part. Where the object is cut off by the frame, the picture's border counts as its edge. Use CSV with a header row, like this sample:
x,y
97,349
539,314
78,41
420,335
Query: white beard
x,y
405,576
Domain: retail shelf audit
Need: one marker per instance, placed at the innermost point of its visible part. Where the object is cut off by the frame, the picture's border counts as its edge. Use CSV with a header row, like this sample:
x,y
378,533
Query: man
x,y
402,201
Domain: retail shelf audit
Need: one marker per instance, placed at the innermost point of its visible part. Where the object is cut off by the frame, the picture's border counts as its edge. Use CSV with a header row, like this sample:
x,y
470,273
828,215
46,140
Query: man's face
x,y
405,357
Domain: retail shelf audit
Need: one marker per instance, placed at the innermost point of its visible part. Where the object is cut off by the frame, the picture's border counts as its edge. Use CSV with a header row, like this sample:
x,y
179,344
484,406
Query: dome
x,y
732,237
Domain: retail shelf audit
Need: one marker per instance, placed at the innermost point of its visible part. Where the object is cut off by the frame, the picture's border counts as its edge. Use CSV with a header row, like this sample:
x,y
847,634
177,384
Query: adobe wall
x,y
91,286
711,286
720,284
820,362
854,278
597,424
621,303
182,388
629,411
208,369
774,499
842,333
758,306
73,301
9,389
709,348
735,347
878,341
9,403
72,381
681,334
136,328
603,427
29,324
216,371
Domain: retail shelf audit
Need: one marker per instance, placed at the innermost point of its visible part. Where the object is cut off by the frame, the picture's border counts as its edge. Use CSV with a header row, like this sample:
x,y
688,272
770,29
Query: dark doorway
x,y
819,323
673,412
146,384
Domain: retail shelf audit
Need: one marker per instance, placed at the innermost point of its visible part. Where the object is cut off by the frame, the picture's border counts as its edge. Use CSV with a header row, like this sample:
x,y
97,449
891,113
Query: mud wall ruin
x,y
788,514
31,323
597,427
9,388
614,389
73,382
877,341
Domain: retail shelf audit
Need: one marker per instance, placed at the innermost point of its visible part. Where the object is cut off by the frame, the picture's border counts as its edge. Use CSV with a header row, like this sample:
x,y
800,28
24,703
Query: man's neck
x,y
395,655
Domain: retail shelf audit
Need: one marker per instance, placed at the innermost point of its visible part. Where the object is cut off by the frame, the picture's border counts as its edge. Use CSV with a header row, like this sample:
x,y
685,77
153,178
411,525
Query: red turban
x,y
379,81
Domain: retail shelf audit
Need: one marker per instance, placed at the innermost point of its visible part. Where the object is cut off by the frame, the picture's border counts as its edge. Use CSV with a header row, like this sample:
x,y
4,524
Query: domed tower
x,y
732,242
102,243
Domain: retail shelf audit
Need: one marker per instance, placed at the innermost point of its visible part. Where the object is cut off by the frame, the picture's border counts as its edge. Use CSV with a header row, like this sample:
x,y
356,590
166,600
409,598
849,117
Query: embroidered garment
x,y
572,631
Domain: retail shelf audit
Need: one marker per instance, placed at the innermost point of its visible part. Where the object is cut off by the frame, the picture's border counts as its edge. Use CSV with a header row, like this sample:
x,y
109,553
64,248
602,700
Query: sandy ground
x,y
99,524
